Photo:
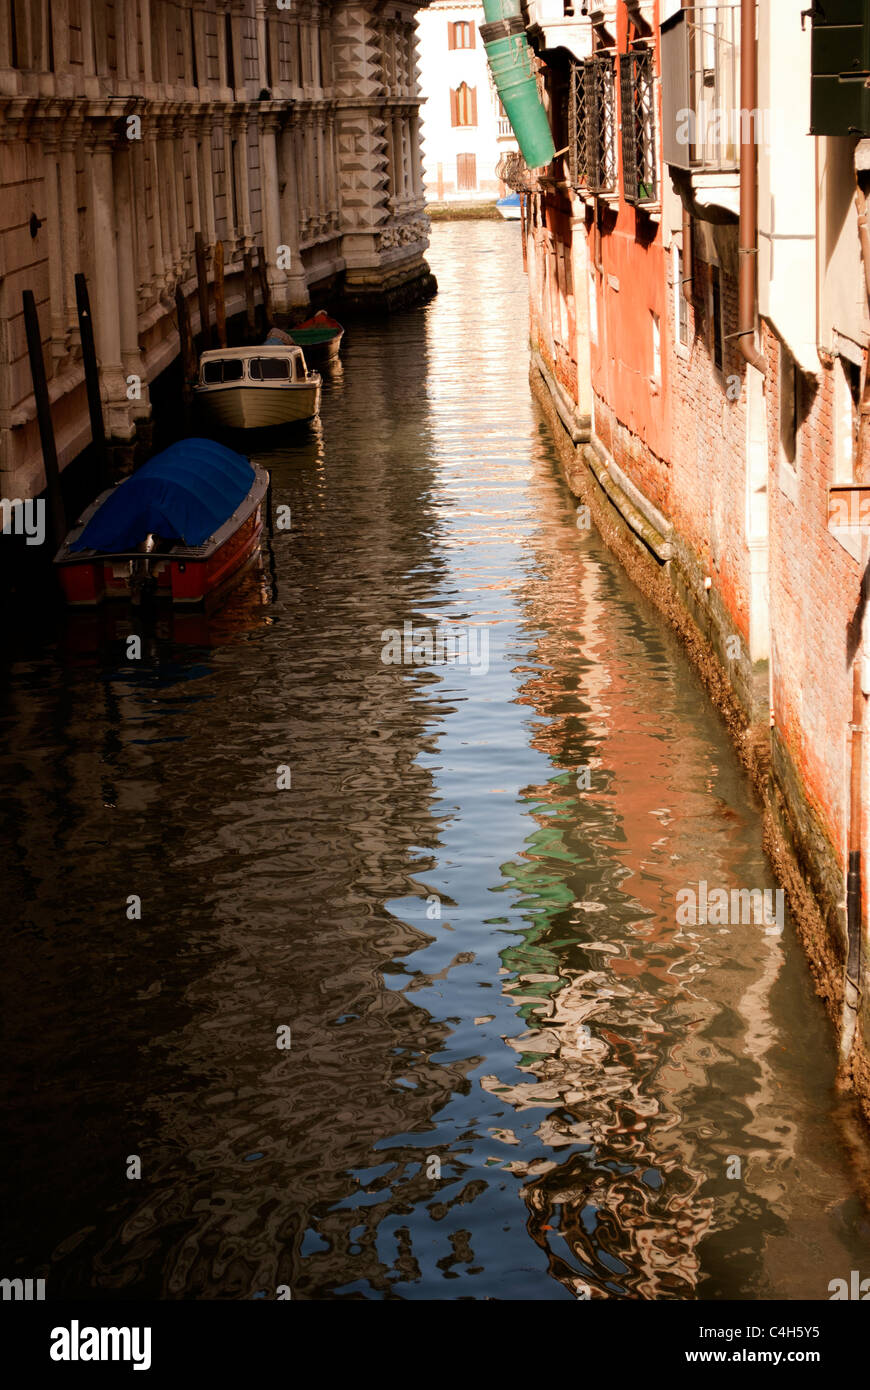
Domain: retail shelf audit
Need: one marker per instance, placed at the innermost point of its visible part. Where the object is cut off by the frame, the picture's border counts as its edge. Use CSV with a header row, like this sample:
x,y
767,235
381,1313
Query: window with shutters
x,y
466,172
840,92
637,102
460,34
463,105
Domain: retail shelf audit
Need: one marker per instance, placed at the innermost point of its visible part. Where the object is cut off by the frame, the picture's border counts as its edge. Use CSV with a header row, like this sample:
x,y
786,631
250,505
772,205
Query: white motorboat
x,y
510,207
254,387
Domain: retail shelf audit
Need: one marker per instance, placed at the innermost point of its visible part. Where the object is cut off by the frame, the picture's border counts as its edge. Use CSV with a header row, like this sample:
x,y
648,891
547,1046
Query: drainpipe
x,y
688,286
862,172
748,231
852,982
854,906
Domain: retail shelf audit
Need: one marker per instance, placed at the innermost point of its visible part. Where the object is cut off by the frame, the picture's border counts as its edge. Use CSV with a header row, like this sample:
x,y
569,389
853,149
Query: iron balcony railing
x,y
701,116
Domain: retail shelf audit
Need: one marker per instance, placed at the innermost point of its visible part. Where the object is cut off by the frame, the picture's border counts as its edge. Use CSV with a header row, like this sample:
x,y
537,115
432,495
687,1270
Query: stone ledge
x,y
579,427
398,292
631,514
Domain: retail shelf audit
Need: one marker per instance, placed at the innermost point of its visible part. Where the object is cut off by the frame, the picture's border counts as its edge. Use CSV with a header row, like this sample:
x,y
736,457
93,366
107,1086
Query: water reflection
x,y
512,1074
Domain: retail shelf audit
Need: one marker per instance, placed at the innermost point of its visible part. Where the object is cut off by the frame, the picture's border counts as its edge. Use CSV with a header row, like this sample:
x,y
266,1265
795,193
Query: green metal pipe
x,y
510,61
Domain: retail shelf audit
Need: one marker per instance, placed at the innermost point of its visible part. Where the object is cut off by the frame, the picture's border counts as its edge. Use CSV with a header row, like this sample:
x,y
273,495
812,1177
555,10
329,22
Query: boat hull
x,y
183,575
253,406
320,353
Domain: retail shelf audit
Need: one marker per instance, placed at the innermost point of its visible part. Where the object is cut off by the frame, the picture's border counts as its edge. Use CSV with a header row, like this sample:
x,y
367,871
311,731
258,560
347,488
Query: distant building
x,y
465,129
129,126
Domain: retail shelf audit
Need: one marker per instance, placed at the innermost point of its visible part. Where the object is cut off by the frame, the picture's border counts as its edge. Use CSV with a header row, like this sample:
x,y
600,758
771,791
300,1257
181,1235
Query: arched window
x,y
460,34
463,105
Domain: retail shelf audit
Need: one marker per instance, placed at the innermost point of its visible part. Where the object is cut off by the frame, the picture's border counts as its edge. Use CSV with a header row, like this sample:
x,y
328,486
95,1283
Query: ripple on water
x,y
512,1073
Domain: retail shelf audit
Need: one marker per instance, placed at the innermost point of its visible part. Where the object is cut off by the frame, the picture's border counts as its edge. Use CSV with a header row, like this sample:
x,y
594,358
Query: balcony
x,y
562,24
701,117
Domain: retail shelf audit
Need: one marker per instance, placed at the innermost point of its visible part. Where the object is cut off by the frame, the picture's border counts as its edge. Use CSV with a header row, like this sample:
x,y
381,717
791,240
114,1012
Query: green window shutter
x,y
840,98
629,131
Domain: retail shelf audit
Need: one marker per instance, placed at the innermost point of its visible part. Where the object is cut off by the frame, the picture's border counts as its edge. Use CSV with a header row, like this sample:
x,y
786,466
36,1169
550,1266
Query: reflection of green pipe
x,y
510,62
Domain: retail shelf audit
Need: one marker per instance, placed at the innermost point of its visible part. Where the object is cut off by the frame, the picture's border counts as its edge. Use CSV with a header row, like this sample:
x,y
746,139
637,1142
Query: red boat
x,y
180,526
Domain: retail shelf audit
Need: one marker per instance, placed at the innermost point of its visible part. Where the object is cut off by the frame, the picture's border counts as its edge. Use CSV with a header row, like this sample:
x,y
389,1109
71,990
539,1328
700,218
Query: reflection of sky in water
x,y
615,1079
580,1067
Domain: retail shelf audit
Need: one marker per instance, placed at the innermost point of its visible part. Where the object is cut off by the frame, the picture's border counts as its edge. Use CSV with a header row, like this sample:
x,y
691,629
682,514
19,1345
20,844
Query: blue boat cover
x,y
184,494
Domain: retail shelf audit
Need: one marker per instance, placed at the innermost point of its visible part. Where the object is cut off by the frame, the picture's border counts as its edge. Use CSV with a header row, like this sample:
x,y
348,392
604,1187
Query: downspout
x,y
852,982
748,230
854,906
688,286
862,172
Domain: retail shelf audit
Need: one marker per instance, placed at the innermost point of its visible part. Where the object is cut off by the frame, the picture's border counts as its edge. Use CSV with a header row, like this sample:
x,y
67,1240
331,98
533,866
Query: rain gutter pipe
x,y
748,230
688,285
854,889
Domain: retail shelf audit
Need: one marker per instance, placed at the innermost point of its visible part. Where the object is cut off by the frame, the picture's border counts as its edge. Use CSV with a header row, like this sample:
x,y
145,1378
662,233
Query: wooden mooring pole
x,y
188,352
57,515
202,291
92,382
250,304
220,304
264,289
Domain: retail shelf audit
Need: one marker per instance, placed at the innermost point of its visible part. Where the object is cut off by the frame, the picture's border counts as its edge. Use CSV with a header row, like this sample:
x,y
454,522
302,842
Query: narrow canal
x,y
512,1073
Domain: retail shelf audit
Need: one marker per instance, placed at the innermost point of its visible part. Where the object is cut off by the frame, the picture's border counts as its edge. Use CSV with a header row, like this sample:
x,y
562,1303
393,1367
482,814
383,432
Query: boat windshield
x,y
269,369
222,369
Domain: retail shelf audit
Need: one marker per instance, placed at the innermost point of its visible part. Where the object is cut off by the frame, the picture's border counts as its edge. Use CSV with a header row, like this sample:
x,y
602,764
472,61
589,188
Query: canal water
x,y
511,1072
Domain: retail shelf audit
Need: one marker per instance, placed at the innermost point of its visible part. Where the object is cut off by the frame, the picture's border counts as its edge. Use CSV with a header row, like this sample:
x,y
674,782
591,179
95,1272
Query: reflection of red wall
x,y
631,257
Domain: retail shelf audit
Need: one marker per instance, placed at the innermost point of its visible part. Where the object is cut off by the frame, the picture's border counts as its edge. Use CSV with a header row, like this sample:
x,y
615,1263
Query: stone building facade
x,y
127,126
718,434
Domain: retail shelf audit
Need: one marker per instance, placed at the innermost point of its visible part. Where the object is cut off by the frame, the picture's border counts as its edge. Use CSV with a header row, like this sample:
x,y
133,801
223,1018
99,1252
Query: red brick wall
x,y
707,500
814,593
